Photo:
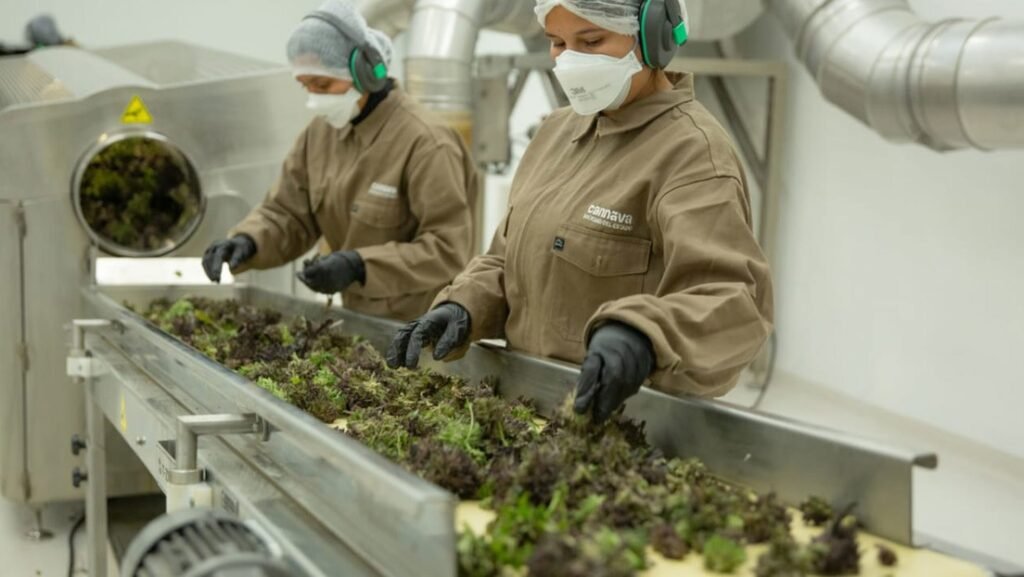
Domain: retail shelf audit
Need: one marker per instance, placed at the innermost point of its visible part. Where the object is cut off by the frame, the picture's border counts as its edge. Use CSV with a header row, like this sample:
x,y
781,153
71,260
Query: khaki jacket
x,y
640,216
397,188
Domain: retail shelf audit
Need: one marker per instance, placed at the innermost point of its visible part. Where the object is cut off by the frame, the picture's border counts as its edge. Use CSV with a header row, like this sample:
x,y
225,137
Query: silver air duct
x,y
948,85
443,34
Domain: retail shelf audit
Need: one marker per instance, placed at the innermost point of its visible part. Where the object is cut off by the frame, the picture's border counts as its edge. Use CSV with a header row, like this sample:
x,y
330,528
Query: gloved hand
x,y
619,359
333,273
446,328
233,251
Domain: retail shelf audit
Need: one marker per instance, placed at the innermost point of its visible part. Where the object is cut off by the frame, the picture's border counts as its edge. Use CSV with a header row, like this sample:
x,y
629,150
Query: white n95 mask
x,y
337,109
595,82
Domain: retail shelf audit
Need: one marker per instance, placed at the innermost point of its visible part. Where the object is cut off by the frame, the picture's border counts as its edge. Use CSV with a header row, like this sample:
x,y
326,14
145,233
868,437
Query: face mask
x,y
337,109
595,82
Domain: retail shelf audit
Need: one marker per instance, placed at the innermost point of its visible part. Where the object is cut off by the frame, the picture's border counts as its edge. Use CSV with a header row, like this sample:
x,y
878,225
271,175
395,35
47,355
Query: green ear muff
x,y
367,66
354,71
662,32
369,72
643,33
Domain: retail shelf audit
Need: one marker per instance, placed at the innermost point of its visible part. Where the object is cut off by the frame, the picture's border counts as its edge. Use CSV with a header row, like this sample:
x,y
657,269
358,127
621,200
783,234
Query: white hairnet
x,y
621,16
318,48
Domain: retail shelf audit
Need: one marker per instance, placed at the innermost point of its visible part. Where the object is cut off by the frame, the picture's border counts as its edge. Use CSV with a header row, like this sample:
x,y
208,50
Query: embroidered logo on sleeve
x,y
612,219
383,190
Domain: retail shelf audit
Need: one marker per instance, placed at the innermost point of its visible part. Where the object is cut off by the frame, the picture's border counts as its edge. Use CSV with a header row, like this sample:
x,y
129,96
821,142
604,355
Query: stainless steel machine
x,y
212,439
217,125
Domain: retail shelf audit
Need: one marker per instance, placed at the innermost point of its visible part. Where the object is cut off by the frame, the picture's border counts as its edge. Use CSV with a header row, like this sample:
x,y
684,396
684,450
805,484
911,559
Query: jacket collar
x,y
638,114
370,127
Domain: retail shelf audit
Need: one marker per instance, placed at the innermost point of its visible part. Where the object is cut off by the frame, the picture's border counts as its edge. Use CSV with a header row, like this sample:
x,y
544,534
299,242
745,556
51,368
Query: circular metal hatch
x,y
137,195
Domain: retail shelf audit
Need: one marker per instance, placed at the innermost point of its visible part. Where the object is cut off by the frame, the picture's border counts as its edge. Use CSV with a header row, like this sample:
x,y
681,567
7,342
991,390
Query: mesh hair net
x,y
620,16
318,48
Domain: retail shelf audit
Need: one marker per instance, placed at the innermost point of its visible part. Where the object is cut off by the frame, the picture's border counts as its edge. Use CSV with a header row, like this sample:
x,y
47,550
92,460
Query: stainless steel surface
x,y
948,85
237,128
83,73
191,427
169,62
439,57
127,393
396,522
752,449
96,486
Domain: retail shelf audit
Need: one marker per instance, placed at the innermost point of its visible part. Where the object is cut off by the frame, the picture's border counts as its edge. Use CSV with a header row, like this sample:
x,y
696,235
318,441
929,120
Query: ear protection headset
x,y
367,66
662,31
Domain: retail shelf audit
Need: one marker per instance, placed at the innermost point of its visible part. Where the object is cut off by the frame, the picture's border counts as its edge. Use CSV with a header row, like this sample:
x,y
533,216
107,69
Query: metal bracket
x,y
84,367
80,364
190,427
496,97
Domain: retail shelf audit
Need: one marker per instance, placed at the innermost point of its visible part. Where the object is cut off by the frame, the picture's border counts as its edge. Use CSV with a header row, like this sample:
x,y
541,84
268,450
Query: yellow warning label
x,y
136,113
124,415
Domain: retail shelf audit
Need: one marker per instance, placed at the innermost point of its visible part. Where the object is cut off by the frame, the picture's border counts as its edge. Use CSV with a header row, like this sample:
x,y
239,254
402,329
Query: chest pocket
x,y
589,269
380,212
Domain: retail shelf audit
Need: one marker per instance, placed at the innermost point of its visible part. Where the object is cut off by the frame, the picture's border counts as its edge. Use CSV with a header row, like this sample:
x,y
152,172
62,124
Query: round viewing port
x,y
137,195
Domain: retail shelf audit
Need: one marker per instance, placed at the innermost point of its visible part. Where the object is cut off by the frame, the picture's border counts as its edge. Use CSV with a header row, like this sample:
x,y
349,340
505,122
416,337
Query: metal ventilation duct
x,y
948,85
443,34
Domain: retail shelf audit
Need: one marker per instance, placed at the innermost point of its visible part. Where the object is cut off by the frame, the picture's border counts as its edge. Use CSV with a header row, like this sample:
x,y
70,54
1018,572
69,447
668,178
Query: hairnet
x,y
621,16
318,48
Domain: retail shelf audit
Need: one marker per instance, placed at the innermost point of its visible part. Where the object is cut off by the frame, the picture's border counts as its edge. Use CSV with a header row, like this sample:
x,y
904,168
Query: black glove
x,y
619,359
333,273
446,328
234,251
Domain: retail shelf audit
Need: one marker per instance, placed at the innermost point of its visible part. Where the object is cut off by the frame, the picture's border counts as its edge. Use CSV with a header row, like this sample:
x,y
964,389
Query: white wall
x,y
900,270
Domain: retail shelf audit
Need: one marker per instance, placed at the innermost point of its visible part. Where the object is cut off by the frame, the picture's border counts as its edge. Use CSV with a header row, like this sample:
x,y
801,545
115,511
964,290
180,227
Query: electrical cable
x,y
71,545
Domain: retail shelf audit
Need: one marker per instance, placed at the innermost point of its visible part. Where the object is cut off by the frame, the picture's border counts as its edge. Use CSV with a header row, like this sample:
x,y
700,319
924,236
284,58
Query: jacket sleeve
x,y
713,310
438,198
480,289
283,226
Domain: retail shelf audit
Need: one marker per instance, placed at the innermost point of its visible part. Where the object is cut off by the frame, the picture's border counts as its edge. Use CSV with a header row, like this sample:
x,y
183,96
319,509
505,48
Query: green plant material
x,y
784,558
723,555
570,498
835,550
137,194
273,388
816,511
286,335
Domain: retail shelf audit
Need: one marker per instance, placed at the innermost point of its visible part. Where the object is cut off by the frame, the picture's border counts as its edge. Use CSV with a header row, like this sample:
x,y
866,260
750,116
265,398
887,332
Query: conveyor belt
x,y
332,502
912,562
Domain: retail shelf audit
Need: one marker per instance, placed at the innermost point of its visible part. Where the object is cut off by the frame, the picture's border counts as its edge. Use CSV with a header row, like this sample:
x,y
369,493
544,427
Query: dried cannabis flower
x,y
723,555
570,498
816,511
887,557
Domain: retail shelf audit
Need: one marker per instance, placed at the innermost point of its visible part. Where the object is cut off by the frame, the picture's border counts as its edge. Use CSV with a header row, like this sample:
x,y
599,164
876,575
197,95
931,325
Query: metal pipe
x,y
948,85
191,427
438,65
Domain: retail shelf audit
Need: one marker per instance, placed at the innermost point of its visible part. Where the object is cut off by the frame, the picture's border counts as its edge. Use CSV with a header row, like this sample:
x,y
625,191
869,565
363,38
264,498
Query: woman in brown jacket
x,y
627,245
387,186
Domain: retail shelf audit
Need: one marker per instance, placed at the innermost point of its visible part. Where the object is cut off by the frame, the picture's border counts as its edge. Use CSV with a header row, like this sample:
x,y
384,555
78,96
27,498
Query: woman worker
x,y
387,187
627,245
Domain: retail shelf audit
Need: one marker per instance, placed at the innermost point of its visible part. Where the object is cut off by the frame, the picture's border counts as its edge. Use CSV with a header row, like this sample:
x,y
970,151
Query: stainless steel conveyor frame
x,y
335,506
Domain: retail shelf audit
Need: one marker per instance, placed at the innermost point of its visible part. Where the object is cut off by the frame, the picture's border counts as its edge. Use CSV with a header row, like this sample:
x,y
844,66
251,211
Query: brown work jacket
x,y
640,216
397,188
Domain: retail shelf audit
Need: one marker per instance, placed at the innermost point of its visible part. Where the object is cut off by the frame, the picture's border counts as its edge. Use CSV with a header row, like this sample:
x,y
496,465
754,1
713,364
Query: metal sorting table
x,y
336,507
